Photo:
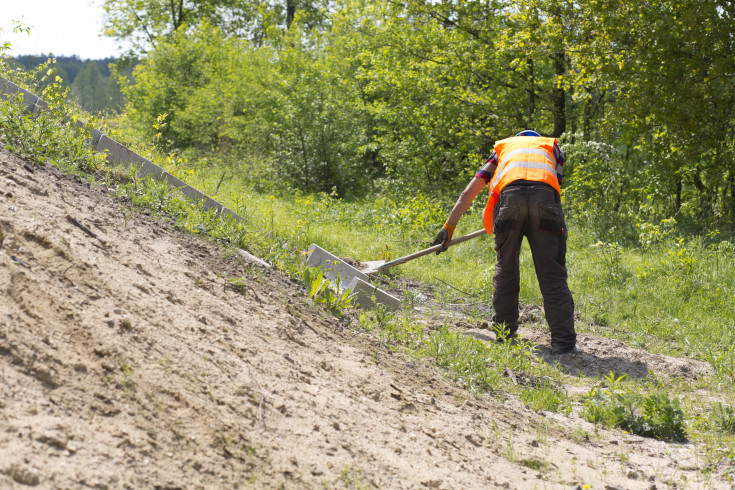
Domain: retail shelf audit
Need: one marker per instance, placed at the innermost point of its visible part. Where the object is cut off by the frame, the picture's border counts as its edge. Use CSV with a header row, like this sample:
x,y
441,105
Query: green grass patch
x,y
652,415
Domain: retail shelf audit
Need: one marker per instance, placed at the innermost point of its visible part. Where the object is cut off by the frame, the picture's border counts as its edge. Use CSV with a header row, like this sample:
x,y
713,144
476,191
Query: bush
x,y
654,415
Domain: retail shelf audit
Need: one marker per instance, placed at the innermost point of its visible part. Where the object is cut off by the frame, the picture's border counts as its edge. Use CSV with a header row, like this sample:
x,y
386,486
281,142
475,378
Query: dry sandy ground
x,y
128,359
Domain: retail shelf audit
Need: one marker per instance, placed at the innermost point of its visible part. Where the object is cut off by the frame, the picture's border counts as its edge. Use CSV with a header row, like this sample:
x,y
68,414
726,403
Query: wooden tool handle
x,y
435,248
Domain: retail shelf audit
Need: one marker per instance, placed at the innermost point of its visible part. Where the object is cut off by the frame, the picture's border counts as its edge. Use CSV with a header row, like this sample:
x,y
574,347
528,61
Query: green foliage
x,y
141,24
222,94
47,136
91,83
93,91
654,415
724,418
546,396
364,96
323,291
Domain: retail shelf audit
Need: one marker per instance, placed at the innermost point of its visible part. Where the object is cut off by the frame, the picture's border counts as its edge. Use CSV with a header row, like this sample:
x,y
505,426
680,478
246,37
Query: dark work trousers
x,y
533,210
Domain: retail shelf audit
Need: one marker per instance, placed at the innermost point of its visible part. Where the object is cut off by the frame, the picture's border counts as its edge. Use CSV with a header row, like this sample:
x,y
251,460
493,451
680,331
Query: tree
x,y
90,88
669,67
141,24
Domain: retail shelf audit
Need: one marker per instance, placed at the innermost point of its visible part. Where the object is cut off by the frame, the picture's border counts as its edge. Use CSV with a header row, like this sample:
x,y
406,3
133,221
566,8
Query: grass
x,y
673,296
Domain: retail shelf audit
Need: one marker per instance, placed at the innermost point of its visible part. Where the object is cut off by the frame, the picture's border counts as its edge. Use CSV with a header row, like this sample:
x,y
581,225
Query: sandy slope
x,y
130,360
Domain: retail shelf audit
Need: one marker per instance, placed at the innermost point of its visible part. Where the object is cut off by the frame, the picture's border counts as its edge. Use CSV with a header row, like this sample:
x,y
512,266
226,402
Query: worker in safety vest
x,y
524,174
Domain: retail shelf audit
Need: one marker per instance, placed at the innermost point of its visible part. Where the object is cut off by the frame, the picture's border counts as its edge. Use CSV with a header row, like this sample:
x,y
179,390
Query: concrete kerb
x,y
118,154
335,269
229,213
364,292
41,106
350,278
30,100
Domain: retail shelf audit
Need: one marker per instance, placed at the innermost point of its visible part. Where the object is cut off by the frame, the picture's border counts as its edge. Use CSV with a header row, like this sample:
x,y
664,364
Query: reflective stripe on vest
x,y
535,165
534,151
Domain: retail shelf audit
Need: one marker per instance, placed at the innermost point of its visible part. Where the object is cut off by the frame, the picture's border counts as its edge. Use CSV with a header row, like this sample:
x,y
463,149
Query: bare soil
x,y
130,359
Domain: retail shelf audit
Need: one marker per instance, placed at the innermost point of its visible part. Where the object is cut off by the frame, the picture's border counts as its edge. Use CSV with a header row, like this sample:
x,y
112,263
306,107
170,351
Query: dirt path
x,y
129,359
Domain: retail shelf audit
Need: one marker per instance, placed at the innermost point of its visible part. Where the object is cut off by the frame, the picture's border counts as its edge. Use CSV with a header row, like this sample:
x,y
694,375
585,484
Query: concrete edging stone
x,y
118,154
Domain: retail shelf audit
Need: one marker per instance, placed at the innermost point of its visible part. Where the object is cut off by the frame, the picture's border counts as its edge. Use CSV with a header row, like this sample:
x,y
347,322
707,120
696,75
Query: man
x,y
524,174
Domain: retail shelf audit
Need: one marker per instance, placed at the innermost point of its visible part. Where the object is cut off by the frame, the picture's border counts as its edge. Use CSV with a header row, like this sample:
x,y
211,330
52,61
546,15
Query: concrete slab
x,y
332,266
9,89
119,154
252,259
364,292
191,193
210,203
41,106
229,213
95,137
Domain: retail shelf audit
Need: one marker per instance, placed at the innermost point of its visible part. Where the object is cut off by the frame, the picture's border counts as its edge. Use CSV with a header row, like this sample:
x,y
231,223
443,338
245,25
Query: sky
x,y
61,27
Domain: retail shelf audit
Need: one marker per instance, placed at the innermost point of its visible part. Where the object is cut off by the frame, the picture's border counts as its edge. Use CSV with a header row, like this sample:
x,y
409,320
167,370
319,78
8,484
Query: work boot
x,y
573,350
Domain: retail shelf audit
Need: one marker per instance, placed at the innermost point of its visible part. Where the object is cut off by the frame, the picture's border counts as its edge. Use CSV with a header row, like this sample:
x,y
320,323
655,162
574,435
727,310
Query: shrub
x,y
655,415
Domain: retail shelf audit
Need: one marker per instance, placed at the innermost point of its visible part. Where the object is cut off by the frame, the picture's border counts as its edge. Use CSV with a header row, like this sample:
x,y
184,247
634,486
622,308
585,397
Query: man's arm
x,y
465,200
463,203
482,178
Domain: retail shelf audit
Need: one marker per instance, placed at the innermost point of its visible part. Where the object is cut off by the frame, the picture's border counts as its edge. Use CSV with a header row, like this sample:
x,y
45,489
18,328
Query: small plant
x,y
724,418
655,415
545,396
535,464
128,384
352,478
611,254
322,291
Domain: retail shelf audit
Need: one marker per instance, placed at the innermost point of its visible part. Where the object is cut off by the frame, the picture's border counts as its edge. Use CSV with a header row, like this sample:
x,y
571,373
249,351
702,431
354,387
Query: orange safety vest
x,y
521,158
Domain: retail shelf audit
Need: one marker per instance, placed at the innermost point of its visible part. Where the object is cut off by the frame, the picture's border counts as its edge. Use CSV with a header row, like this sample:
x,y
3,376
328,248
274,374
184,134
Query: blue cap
x,y
528,132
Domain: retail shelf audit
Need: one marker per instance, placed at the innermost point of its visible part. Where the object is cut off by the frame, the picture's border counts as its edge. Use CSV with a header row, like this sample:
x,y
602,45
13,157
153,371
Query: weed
x,y
165,362
654,415
724,418
580,434
352,478
128,384
323,291
546,396
509,452
535,464
611,258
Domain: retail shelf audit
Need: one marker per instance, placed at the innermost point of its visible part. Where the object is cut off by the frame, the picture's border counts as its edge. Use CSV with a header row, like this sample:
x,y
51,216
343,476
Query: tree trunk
x,y
703,198
587,116
558,95
290,12
177,17
531,89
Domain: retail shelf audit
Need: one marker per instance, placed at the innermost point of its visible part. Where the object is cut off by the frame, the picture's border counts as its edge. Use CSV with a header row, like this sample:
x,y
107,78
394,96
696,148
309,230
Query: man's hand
x,y
443,237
